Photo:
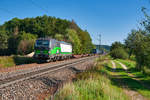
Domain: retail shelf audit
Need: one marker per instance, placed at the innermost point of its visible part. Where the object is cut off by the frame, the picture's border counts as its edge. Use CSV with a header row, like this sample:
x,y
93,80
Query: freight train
x,y
48,49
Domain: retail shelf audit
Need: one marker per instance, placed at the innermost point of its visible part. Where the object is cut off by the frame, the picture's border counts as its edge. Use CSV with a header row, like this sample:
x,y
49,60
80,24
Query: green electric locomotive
x,y
49,49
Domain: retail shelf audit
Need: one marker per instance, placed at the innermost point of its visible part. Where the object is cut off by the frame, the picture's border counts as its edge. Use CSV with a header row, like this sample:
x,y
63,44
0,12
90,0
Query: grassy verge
x,y
9,61
94,84
6,62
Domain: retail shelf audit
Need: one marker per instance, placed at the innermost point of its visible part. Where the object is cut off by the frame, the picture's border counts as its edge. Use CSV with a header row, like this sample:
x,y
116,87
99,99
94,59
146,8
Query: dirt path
x,y
113,64
123,66
134,95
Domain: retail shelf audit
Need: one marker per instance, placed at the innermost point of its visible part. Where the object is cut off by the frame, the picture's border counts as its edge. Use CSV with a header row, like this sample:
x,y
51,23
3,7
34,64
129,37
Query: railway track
x,y
44,70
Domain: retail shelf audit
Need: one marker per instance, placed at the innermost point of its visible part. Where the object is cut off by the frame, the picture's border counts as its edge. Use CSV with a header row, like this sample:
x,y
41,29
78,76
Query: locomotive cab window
x,y
42,43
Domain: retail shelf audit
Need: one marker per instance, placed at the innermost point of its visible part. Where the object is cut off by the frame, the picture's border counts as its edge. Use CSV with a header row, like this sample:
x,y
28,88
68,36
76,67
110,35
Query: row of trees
x,y
137,43
17,36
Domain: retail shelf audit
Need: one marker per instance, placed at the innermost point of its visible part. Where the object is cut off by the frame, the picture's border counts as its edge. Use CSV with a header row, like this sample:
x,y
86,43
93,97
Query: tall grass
x,y
91,85
9,61
6,61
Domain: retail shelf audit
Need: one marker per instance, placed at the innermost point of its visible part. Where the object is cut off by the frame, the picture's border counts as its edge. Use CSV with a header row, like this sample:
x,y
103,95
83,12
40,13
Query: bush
x,y
119,53
26,47
26,44
19,60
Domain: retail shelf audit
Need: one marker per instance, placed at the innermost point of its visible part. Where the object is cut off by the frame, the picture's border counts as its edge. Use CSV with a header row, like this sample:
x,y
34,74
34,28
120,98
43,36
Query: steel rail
x,y
21,77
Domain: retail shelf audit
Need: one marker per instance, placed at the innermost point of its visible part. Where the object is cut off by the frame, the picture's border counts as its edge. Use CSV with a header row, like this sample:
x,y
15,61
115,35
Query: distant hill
x,y
107,47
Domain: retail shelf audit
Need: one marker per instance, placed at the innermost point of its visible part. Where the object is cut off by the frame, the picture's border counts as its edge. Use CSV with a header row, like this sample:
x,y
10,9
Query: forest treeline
x,y
18,36
136,46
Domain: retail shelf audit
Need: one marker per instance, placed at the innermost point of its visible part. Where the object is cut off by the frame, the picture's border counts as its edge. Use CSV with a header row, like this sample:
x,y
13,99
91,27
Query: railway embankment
x,y
42,86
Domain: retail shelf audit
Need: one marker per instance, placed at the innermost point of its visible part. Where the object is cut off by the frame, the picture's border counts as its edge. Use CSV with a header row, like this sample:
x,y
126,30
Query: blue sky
x,y
113,19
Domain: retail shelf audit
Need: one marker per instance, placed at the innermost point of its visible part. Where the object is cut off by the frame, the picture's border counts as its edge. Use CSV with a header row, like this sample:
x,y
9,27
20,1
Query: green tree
x,y
142,52
133,40
3,39
59,37
72,34
119,53
86,41
138,43
146,21
116,45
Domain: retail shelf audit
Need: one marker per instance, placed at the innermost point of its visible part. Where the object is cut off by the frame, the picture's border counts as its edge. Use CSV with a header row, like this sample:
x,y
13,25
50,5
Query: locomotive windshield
x,y
42,43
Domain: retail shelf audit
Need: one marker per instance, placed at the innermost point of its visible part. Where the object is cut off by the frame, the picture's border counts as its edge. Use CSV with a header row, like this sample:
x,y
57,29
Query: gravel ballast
x,y
43,86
